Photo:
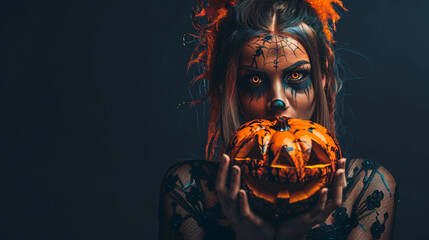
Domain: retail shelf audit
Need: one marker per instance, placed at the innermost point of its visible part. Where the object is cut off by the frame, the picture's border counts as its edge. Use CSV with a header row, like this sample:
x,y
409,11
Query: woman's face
x,y
274,79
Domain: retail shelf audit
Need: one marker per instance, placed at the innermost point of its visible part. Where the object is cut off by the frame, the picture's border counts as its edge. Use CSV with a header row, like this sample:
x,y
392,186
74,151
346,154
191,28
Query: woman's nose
x,y
278,99
278,104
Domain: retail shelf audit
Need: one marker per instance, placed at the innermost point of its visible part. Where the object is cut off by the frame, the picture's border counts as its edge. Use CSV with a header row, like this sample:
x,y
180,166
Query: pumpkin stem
x,y
282,124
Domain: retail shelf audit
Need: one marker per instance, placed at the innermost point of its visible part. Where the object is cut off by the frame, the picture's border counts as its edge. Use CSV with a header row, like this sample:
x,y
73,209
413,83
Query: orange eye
x,y
256,79
295,75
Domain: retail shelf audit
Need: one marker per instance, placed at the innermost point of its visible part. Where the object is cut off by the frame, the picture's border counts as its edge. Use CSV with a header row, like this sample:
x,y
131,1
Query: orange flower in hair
x,y
325,12
215,8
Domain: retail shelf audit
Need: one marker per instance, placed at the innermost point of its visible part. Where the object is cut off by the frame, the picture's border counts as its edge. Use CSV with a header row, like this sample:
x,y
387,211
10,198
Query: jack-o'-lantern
x,y
284,163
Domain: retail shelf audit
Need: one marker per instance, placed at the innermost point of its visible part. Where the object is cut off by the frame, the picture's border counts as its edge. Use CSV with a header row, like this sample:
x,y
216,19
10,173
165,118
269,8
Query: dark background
x,y
89,119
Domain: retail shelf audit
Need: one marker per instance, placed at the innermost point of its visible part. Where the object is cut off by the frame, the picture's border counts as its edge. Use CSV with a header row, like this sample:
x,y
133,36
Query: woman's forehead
x,y
272,50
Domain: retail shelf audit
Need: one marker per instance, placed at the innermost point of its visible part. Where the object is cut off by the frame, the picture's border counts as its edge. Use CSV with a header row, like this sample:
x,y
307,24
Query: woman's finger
x,y
234,186
245,212
321,203
342,163
337,191
323,197
343,166
222,174
255,226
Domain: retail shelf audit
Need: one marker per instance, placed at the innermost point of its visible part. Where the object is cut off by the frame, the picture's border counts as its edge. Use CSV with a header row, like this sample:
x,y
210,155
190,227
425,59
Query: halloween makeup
x,y
274,67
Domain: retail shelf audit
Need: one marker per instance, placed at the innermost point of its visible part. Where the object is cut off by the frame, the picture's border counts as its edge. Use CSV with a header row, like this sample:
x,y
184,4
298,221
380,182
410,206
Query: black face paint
x,y
273,46
258,52
254,82
305,86
298,78
278,49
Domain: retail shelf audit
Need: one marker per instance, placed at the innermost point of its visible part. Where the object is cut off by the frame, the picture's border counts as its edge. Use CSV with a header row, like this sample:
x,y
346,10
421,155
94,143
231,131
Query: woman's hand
x,y
250,226
296,227
236,207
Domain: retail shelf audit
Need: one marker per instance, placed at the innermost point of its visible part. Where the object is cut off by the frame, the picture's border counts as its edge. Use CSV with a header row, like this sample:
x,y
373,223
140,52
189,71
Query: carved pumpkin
x,y
284,163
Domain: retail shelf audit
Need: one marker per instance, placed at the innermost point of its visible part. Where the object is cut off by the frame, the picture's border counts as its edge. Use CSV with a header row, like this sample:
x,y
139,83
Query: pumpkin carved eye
x,y
283,160
284,164
318,156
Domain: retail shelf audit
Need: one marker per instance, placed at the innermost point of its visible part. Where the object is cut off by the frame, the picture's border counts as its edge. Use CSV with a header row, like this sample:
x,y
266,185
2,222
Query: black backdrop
x,y
89,120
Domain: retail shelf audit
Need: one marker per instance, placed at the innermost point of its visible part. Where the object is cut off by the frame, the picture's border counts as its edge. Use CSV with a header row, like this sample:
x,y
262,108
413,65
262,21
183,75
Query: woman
x,y
265,59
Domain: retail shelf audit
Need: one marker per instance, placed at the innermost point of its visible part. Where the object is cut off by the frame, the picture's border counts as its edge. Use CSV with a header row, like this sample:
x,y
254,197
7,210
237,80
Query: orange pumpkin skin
x,y
284,163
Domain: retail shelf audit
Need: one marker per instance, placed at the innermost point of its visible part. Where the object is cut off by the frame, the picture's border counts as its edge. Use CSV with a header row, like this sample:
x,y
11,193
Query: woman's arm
x,y
368,208
180,205
374,202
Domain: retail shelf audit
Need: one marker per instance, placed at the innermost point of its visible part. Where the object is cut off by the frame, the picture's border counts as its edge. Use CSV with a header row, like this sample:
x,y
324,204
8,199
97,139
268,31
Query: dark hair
x,y
249,19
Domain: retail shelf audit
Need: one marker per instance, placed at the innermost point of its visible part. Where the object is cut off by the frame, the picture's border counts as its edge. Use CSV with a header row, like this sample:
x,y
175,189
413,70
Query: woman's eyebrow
x,y
286,70
294,66
252,69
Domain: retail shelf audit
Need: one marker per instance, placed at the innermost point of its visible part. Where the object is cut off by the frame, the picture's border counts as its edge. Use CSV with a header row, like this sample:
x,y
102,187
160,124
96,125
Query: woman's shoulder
x,y
188,164
370,172
369,203
365,176
192,179
189,206
371,198
191,170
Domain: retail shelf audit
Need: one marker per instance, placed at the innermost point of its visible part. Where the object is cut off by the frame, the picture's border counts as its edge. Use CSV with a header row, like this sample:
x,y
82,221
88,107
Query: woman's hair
x,y
220,46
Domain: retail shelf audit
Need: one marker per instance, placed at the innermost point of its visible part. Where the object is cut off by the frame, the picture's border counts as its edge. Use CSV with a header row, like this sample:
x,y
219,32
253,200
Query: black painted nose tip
x,y
278,104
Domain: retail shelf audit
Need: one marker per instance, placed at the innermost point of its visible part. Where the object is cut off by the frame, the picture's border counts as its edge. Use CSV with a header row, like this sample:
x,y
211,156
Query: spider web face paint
x,y
275,67
271,48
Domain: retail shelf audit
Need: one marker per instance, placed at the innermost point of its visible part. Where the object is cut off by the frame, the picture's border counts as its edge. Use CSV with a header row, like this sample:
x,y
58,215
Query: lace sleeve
x,y
188,205
176,212
375,198
369,205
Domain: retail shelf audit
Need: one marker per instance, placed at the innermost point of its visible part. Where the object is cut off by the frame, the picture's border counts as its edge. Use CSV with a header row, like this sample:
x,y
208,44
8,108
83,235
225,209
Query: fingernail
x,y
222,159
235,170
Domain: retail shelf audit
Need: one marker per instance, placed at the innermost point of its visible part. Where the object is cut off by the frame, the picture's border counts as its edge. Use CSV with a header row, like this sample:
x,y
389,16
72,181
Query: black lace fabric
x,y
189,208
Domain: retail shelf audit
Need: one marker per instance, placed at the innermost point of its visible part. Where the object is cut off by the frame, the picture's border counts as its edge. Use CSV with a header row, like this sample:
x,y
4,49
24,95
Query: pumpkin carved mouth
x,y
273,191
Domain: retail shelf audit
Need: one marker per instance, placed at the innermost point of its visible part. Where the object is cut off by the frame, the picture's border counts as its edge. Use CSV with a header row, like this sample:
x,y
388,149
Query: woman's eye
x,y
296,76
256,80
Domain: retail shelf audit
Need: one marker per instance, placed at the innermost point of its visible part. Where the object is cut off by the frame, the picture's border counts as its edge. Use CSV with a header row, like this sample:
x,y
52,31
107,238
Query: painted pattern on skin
x,y
269,46
279,49
305,85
